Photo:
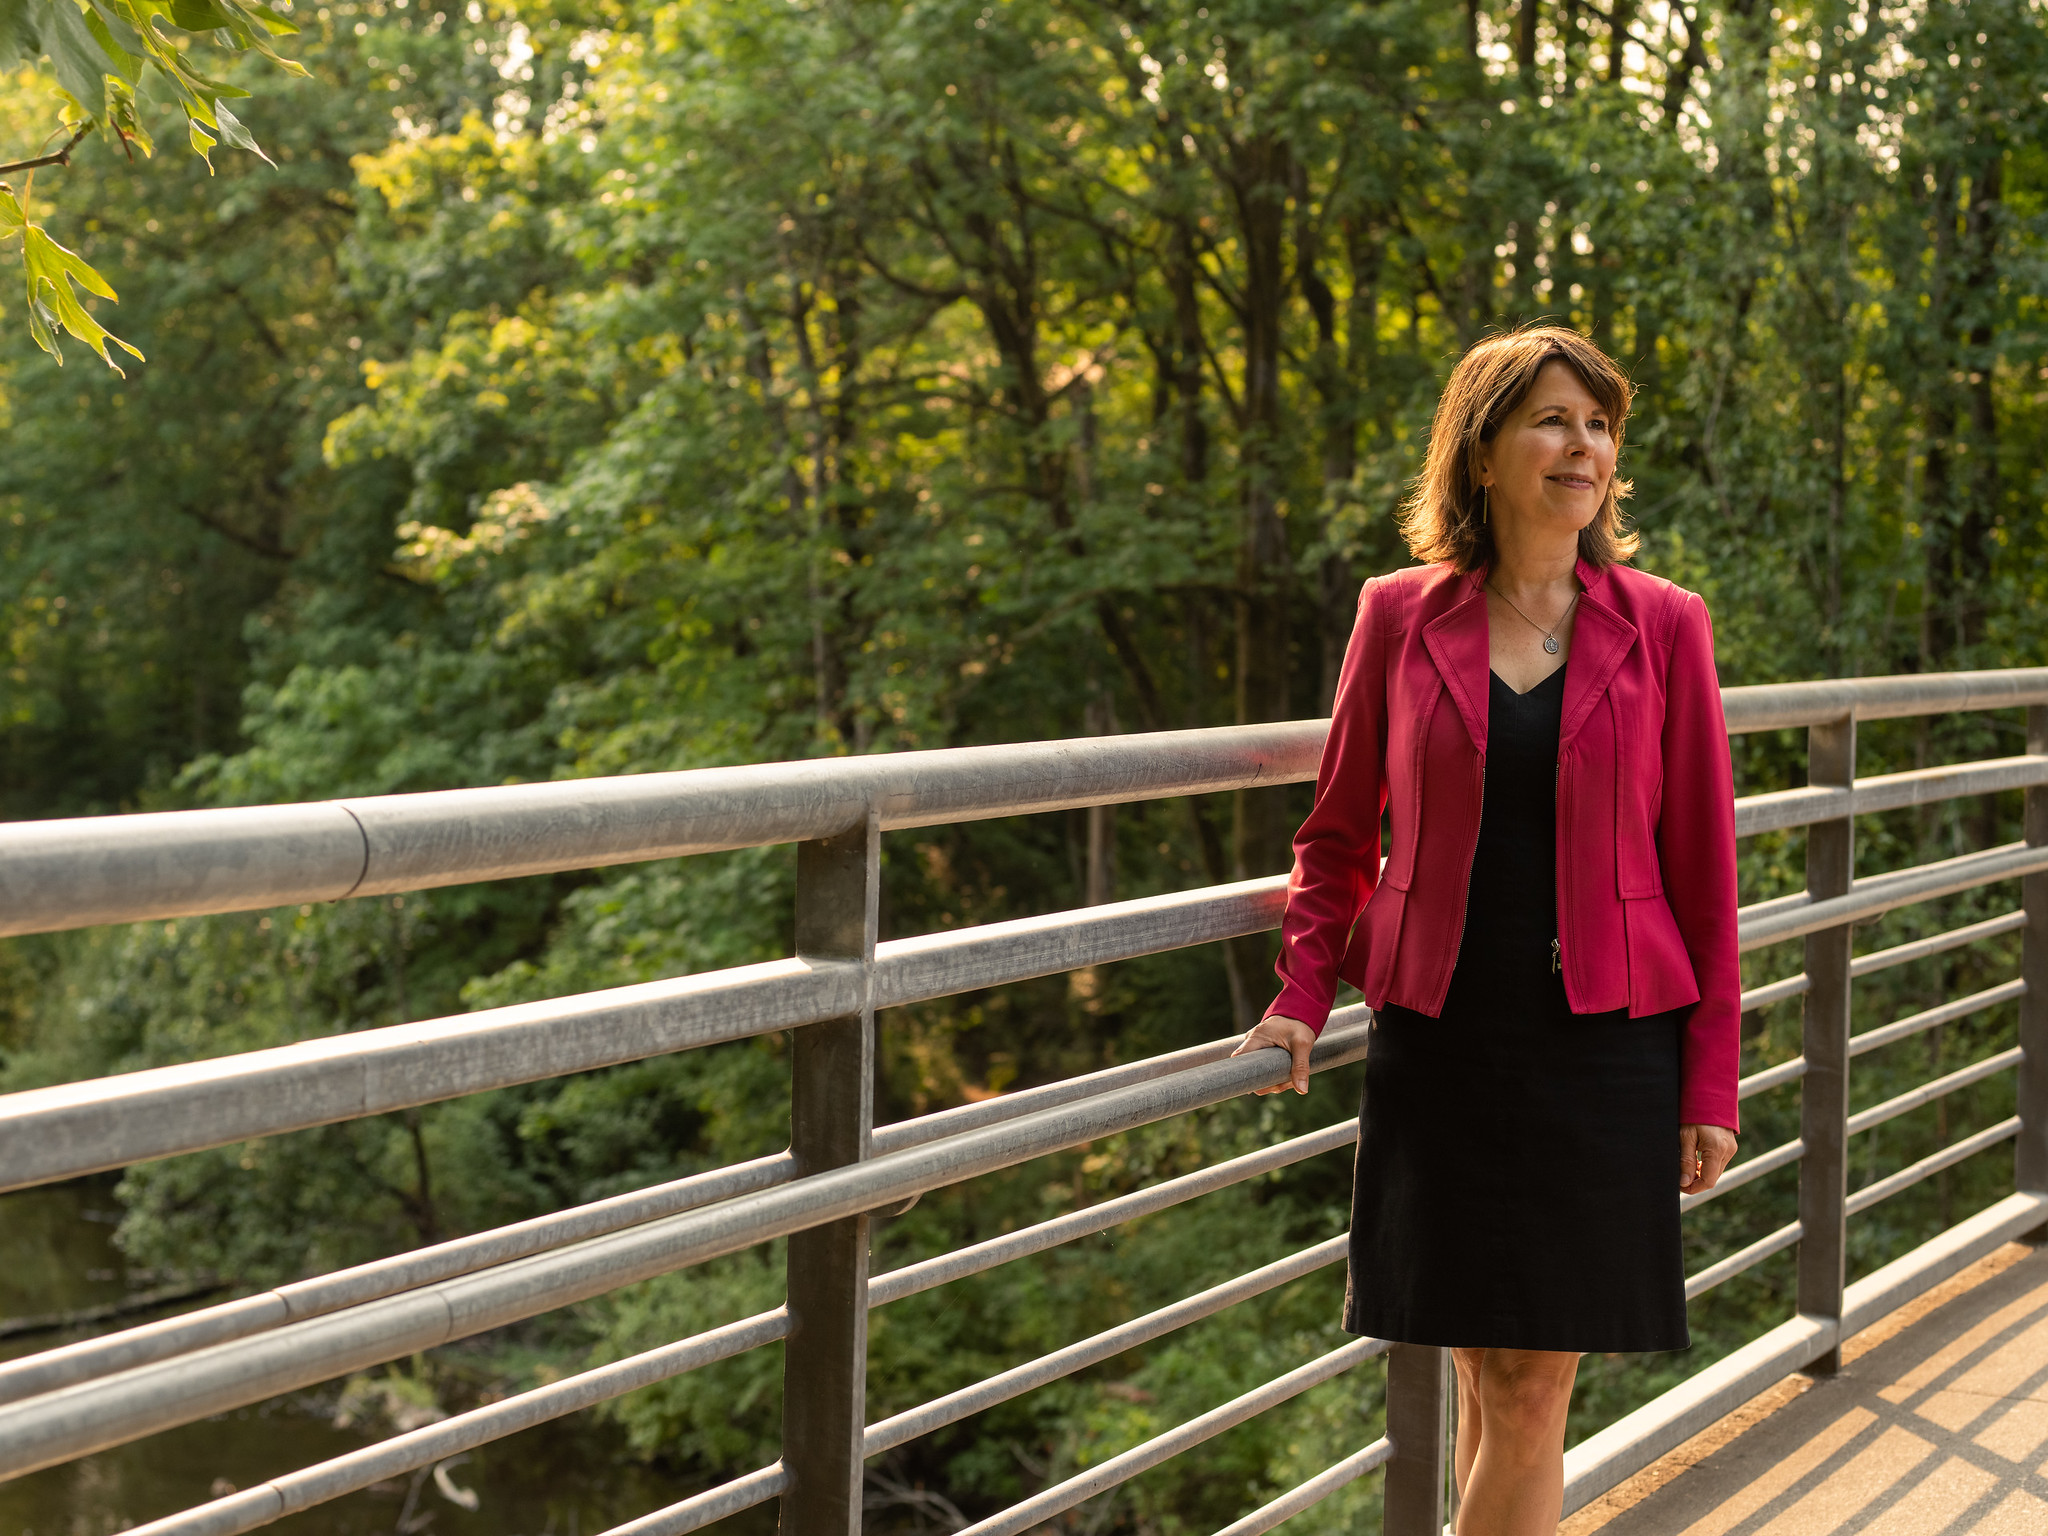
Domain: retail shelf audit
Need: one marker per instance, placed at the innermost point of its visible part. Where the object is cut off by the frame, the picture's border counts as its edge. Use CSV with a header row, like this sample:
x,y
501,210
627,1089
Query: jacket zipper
x,y
1556,784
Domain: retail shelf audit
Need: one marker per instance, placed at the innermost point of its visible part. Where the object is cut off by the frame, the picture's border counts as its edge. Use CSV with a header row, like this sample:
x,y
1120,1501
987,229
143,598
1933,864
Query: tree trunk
x,y
1262,837
1619,15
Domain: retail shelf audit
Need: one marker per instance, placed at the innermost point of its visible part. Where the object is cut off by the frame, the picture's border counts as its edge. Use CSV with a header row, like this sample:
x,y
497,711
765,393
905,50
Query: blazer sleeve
x,y
1696,846
1337,850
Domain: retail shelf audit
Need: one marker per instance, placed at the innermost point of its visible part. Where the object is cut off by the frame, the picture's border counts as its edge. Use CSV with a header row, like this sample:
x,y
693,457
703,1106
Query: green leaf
x,y
198,15
121,30
19,35
109,30
81,64
41,325
280,26
202,142
252,29
232,130
53,305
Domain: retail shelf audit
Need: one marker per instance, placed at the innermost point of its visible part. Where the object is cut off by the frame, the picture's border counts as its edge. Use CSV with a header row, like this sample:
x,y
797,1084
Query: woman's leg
x,y
1468,1363
1511,1482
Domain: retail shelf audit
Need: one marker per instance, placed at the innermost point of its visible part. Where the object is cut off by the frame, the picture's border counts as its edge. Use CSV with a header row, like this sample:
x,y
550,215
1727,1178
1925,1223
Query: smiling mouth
x,y
1576,482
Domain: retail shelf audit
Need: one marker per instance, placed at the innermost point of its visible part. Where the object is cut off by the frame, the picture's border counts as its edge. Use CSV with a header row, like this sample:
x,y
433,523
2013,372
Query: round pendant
x,y
1550,644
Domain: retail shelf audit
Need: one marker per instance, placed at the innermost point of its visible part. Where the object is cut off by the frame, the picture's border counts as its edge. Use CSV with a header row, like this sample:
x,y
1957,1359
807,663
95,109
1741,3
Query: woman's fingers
x,y
1300,1048
1289,1035
1704,1152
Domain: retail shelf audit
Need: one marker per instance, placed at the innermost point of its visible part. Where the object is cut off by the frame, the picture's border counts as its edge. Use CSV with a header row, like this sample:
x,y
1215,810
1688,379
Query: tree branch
x,y
61,157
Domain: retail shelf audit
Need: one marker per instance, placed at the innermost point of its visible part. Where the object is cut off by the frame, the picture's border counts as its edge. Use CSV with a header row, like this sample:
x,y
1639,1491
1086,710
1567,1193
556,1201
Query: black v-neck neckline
x,y
1555,672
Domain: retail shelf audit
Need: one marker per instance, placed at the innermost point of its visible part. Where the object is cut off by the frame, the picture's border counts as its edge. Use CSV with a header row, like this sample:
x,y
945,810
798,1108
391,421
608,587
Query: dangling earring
x,y
1485,505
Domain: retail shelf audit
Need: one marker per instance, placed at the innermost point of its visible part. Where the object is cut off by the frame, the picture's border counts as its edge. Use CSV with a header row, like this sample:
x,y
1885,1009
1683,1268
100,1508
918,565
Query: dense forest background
x,y
605,386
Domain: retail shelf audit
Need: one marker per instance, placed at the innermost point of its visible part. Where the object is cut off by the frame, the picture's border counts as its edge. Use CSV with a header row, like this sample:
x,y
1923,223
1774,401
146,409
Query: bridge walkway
x,y
1937,1425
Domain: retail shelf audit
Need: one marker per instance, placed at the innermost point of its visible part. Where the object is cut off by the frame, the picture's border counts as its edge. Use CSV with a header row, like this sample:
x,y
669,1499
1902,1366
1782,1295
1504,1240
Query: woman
x,y
1549,949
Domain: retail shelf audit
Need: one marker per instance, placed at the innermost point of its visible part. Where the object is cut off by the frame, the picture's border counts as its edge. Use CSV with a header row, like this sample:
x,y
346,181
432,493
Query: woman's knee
x,y
1525,1395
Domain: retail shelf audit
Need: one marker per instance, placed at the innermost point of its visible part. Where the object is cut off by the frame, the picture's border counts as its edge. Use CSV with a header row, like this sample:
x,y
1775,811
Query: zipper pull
x,y
1556,958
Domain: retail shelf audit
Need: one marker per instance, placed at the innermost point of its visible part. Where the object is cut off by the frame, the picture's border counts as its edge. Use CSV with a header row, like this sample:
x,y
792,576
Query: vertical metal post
x,y
1824,1091
1417,1405
2030,1160
832,1116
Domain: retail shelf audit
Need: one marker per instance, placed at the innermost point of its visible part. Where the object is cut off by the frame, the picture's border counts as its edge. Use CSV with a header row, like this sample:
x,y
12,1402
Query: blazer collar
x,y
1601,640
1457,643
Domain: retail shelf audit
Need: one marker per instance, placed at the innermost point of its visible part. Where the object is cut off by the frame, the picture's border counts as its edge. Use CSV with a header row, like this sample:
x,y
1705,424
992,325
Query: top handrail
x,y
91,870
1779,706
86,871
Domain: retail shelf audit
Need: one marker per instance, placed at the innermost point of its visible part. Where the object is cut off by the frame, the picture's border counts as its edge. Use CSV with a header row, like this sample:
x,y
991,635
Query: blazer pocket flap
x,y
1639,881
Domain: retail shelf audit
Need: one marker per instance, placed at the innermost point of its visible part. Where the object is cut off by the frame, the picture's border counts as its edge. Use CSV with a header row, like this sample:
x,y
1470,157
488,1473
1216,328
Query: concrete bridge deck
x,y
1937,1425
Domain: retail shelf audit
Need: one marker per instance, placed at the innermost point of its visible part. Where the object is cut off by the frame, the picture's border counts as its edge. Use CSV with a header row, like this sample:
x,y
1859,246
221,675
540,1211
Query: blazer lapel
x,y
1457,644
1601,639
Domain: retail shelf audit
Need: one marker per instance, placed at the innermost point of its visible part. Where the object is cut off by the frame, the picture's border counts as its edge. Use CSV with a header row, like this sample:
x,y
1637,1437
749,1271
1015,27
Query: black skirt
x,y
1516,1183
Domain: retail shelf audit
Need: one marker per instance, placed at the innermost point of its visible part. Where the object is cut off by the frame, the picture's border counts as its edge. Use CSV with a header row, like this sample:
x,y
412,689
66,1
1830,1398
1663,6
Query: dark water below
x,y
57,1255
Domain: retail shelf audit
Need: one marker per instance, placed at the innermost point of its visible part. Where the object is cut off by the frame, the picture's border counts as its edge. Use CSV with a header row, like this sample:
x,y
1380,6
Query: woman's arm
x,y
1696,845
1337,850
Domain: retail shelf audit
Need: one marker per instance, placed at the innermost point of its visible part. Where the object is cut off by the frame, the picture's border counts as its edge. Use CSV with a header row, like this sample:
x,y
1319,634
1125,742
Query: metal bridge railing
x,y
841,1167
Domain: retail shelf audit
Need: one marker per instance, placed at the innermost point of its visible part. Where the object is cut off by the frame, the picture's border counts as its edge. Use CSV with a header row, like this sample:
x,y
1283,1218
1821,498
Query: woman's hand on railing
x,y
1703,1151
1291,1036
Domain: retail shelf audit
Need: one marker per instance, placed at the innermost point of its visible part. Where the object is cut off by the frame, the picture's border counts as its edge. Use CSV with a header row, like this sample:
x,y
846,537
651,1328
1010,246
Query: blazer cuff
x,y
1700,1108
1295,1003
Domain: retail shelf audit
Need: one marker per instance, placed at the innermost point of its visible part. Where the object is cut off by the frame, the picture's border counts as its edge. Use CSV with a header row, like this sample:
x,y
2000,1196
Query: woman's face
x,y
1547,468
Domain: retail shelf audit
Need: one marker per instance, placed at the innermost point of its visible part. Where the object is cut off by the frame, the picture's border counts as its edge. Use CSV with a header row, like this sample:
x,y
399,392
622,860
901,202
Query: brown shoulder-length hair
x,y
1444,518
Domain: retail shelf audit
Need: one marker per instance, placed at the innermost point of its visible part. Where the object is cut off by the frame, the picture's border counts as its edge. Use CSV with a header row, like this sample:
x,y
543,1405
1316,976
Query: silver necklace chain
x,y
1549,635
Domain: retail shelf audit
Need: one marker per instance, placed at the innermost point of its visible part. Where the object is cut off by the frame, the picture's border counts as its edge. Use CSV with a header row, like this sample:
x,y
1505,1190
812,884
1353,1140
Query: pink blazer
x,y
1645,815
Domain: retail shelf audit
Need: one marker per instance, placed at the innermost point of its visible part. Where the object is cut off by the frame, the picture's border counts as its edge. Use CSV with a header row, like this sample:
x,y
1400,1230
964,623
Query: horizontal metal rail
x,y
710,1506
1872,1194
93,1415
902,1428
302,1299
944,1268
112,1122
1947,1013
1786,808
1311,1493
995,954
1941,1087
1935,944
1795,916
1698,1285
1061,1497
1780,706
1885,959
1770,1077
118,869
342,1475
1782,1156
1775,992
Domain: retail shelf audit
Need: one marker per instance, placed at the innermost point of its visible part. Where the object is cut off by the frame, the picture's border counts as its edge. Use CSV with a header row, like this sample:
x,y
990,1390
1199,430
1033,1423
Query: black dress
x,y
1516,1183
